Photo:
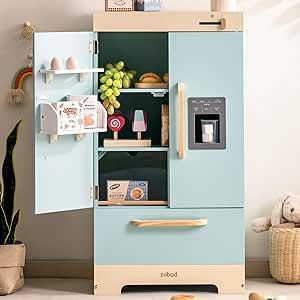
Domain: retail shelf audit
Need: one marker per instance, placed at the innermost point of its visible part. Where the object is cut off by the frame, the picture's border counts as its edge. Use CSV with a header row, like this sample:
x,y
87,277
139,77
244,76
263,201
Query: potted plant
x,y
12,252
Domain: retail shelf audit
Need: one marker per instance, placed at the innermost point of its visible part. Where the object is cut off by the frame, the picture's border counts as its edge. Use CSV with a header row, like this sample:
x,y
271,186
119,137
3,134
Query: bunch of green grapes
x,y
115,78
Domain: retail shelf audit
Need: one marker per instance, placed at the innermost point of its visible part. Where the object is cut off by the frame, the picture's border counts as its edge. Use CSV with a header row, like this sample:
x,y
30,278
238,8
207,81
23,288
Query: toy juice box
x,y
90,108
70,115
122,190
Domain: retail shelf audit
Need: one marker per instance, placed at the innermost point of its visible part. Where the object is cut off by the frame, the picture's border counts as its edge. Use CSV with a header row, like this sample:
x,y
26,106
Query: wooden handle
x,y
169,223
180,120
223,24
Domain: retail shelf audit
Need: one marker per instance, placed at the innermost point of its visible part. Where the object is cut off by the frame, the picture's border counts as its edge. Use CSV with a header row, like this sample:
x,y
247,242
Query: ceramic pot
x,y
12,262
223,5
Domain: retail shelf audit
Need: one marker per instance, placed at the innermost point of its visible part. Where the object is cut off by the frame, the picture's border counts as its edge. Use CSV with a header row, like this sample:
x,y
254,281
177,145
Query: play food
x,y
255,296
115,78
57,63
72,63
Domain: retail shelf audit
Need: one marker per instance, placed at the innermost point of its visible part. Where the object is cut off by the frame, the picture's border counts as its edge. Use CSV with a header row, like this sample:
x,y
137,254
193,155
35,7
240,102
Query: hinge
x,y
93,47
94,192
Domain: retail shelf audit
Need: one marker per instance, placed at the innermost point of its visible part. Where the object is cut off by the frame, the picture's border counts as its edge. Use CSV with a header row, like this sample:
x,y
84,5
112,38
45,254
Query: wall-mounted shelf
x,y
157,93
133,203
50,123
133,149
83,73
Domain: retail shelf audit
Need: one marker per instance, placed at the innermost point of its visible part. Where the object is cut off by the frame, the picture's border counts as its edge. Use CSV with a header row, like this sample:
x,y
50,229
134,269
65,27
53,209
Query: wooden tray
x,y
126,143
160,85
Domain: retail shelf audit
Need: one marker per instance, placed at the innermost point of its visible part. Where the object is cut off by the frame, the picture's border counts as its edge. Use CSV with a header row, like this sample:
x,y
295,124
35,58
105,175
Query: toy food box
x,y
90,108
70,115
122,190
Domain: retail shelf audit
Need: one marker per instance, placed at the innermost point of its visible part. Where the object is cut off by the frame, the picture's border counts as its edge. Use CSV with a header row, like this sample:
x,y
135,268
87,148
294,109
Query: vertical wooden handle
x,y
180,120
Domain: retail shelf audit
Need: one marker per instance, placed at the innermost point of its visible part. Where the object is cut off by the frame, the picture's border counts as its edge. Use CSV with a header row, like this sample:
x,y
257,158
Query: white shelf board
x,y
82,73
154,92
82,131
133,149
73,71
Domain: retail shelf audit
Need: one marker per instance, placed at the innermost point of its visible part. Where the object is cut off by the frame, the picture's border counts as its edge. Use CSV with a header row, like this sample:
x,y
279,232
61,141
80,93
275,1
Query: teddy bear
x,y
285,214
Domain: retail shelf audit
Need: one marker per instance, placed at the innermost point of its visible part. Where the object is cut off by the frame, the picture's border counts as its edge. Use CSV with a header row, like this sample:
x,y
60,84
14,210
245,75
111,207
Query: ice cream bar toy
x,y
139,123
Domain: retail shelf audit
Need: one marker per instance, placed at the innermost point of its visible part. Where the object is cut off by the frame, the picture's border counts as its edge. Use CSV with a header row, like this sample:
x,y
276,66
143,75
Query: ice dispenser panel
x,y
207,123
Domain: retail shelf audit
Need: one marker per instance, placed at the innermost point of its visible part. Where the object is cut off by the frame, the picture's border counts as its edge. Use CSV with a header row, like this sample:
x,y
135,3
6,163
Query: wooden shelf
x,y
82,73
133,149
133,203
157,93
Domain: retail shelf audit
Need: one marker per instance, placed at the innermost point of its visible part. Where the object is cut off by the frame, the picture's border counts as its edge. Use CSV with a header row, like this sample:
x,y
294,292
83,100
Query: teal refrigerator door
x,y
63,171
208,64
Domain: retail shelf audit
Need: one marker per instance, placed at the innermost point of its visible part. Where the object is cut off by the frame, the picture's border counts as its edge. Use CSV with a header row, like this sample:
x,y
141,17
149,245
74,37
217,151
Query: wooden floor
x,y
77,289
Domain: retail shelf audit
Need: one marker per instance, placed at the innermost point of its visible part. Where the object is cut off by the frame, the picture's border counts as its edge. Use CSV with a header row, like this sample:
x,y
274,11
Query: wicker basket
x,y
284,247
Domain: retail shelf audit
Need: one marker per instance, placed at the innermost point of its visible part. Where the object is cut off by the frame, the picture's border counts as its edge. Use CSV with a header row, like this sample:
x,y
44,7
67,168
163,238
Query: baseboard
x,y
59,269
84,269
257,268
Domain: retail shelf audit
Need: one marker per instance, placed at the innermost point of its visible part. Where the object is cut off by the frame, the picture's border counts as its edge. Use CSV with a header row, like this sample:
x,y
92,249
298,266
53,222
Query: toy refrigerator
x,y
189,230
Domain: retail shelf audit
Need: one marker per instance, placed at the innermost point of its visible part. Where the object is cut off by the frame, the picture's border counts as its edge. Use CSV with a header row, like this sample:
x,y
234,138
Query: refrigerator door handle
x,y
180,120
169,223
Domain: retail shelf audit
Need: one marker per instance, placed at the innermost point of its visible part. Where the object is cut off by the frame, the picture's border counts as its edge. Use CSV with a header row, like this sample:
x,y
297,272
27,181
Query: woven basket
x,y
284,247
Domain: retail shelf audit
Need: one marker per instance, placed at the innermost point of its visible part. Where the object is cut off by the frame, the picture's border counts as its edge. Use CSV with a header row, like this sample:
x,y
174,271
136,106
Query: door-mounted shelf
x,y
83,73
51,123
156,93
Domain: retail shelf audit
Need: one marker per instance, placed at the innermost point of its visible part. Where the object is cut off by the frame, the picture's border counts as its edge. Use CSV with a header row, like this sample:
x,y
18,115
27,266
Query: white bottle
x,y
223,5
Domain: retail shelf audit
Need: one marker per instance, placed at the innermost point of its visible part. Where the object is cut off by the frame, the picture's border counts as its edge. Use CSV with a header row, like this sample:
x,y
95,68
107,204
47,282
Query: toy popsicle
x,y
139,123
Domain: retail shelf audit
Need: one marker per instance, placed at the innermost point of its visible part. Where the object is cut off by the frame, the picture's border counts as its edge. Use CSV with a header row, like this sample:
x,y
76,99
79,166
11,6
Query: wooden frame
x,y
168,21
109,279
83,269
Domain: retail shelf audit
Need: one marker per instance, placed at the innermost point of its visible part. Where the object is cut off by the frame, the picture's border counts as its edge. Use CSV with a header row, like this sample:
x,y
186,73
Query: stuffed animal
x,y
285,214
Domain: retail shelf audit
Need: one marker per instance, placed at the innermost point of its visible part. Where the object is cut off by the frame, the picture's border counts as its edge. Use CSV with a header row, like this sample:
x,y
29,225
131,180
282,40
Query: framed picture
x,y
119,5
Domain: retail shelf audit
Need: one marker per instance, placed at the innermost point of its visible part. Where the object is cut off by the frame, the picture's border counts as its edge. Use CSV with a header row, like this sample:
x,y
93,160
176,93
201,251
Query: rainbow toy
x,y
16,93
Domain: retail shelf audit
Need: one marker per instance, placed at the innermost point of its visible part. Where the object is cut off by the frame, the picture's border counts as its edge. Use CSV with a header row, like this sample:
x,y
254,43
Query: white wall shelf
x,y
157,93
50,120
83,73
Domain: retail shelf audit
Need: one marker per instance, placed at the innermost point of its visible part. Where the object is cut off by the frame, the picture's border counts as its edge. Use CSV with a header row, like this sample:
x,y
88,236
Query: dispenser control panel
x,y
207,123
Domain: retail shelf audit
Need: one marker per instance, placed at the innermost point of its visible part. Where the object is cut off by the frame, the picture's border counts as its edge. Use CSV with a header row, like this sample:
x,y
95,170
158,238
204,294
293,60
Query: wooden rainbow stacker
x,y
190,229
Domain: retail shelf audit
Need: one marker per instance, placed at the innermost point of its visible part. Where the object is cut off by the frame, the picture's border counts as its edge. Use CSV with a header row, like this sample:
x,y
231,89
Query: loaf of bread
x,y
150,78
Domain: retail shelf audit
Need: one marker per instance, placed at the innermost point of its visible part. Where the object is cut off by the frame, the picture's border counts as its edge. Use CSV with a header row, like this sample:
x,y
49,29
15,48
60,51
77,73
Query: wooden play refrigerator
x,y
190,229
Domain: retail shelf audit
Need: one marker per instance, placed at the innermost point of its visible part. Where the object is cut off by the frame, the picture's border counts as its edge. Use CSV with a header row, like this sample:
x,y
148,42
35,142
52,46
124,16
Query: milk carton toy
x,y
89,108
70,115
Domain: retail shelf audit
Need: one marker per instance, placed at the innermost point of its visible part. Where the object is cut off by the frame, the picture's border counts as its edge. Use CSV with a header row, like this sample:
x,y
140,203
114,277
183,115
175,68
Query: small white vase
x,y
223,5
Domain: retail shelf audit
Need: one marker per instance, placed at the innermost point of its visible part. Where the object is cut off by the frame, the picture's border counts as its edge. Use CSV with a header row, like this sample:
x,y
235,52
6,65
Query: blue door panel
x,y
119,243
63,171
209,64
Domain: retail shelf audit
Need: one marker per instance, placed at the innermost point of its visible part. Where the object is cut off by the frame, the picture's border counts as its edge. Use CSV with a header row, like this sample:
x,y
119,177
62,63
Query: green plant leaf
x,y
4,227
8,175
10,239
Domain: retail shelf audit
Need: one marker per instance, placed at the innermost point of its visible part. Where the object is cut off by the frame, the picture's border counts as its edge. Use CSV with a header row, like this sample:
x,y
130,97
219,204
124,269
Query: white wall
x,y
272,47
